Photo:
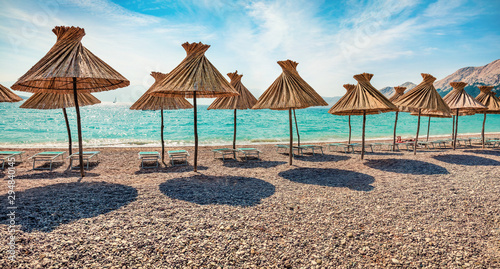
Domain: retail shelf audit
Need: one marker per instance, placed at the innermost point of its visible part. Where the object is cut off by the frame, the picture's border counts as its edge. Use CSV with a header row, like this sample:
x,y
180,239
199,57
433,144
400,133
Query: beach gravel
x,y
438,209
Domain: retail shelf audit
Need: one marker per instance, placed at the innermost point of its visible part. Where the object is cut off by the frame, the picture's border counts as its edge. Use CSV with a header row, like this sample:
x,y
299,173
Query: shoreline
x,y
62,145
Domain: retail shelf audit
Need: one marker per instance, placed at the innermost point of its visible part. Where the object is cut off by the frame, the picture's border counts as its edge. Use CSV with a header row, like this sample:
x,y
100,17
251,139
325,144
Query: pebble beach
x,y
437,209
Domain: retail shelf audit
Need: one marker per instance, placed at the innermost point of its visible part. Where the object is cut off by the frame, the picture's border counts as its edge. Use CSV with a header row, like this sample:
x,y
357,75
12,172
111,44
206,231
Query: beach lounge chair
x,y
87,156
149,156
359,145
249,152
492,142
224,152
312,148
426,144
381,145
284,147
6,155
344,146
178,155
465,141
47,156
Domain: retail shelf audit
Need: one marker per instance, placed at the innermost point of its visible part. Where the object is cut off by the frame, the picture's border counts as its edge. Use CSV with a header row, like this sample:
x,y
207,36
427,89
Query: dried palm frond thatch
x,y
492,102
349,87
289,92
245,100
194,77
150,102
362,100
69,67
398,93
7,95
66,60
423,97
461,103
42,100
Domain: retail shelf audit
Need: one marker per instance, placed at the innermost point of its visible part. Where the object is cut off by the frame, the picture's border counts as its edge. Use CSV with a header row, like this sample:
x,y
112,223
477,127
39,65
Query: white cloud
x,y
250,36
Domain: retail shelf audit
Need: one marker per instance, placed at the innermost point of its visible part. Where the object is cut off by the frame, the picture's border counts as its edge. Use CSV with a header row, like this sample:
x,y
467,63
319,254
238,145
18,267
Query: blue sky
x,y
332,40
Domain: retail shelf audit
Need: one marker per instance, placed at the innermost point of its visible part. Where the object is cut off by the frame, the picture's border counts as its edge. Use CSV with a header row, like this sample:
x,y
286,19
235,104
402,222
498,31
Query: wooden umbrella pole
x,y
453,128
234,135
363,137
79,125
349,129
296,128
394,137
195,134
456,133
415,143
482,132
162,141
290,153
69,131
428,128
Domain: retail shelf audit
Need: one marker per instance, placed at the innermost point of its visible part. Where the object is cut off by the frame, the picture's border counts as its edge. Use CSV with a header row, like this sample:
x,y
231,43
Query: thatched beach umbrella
x,y
349,87
69,67
460,101
194,77
399,92
423,97
488,99
245,100
363,100
150,102
289,91
44,100
7,95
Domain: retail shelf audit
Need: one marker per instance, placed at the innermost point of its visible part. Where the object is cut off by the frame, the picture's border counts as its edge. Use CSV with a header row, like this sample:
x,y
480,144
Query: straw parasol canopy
x,y
150,102
460,101
194,77
69,67
423,97
349,87
488,99
42,100
7,95
245,100
399,92
362,100
289,91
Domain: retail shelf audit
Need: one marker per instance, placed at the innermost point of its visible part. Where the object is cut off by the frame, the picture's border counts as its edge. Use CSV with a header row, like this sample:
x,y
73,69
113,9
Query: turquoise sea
x,y
111,124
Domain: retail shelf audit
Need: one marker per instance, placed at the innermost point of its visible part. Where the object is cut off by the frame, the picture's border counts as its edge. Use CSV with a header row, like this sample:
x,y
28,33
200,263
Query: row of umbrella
x,y
69,72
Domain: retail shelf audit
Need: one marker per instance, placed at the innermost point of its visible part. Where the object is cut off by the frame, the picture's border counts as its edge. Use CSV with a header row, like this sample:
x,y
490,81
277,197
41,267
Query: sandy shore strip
x,y
438,209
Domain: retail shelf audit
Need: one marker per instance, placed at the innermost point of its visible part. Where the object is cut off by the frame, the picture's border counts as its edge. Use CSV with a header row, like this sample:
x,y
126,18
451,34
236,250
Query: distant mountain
x,y
475,76
389,91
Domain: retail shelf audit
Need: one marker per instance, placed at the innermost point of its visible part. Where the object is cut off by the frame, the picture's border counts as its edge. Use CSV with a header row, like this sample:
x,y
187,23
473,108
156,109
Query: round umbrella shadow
x,y
483,151
45,208
466,160
403,166
330,178
253,164
323,158
228,190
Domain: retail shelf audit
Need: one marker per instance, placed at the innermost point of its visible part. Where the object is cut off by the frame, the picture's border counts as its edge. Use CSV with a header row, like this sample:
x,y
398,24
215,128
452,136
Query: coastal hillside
x,y
475,76
389,91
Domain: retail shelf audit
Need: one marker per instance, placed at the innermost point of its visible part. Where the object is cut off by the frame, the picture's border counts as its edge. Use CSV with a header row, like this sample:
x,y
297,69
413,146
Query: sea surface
x,y
114,124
